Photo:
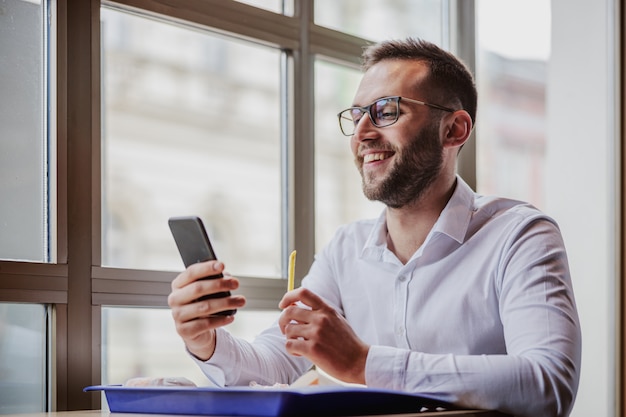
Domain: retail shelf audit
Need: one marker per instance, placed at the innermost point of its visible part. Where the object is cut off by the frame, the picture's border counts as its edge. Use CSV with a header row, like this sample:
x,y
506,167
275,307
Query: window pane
x,y
190,127
23,147
275,6
339,197
378,20
138,342
511,79
22,358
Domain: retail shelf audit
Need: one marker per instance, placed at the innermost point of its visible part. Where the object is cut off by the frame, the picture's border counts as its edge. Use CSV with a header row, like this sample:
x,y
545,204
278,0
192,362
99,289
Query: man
x,y
449,294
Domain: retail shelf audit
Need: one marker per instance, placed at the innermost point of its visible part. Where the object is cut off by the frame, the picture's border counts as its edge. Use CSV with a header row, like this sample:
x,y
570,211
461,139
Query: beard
x,y
416,168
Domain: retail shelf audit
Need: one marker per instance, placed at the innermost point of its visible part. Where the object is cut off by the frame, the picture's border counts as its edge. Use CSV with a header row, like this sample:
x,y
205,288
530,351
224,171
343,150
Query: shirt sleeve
x,y
538,375
264,361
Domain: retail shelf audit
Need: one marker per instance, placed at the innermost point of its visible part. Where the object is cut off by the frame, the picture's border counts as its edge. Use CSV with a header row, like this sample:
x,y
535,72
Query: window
x,y
23,358
272,5
165,112
339,198
378,20
143,343
190,127
24,149
26,212
512,66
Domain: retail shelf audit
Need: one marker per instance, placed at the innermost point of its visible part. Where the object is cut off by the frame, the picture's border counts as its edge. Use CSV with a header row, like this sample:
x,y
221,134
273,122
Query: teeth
x,y
374,157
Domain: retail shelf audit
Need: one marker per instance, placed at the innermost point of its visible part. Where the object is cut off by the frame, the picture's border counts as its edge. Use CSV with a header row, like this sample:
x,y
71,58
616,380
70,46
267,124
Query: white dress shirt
x,y
483,315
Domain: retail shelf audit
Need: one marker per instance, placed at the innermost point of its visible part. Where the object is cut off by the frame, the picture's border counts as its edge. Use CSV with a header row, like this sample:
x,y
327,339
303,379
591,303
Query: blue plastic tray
x,y
244,401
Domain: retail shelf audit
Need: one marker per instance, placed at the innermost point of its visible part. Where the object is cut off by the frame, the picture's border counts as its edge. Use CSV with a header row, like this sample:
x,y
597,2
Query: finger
x,y
304,296
297,346
211,306
213,286
197,271
197,289
194,329
291,314
206,308
290,297
295,313
295,330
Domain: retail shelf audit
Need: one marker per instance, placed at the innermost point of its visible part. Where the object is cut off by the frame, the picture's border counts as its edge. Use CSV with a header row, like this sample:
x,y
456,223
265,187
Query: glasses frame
x,y
367,109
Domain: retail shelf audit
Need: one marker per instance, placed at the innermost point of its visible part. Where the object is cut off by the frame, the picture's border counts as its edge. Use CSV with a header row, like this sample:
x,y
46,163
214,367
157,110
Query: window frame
x,y
76,286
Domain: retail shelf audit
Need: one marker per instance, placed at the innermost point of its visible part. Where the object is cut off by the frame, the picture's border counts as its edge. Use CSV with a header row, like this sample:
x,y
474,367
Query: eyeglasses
x,y
383,112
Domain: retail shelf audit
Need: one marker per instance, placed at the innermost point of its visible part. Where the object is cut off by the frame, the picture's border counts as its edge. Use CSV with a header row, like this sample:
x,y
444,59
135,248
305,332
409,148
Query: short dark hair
x,y
449,80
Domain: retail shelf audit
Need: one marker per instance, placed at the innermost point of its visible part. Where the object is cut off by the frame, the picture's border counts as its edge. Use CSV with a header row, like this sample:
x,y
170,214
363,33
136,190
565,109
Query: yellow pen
x,y
292,269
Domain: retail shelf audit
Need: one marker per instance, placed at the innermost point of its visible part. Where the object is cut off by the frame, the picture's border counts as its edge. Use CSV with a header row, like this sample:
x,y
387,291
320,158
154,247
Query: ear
x,y
457,129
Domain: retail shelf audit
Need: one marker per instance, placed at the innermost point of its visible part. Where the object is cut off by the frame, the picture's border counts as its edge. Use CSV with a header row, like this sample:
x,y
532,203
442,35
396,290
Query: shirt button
x,y
402,278
400,331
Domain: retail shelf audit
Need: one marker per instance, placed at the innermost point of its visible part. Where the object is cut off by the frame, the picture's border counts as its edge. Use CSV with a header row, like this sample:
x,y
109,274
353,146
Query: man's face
x,y
398,162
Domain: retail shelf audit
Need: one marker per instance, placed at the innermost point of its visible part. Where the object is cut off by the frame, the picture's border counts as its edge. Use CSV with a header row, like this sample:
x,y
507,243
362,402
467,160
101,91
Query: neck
x,y
408,226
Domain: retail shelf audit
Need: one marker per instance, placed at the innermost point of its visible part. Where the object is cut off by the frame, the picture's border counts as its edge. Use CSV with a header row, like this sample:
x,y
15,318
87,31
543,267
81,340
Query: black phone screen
x,y
194,246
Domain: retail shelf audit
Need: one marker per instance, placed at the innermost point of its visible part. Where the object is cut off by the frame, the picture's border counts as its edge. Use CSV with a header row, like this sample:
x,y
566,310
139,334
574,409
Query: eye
x,y
387,115
386,110
355,115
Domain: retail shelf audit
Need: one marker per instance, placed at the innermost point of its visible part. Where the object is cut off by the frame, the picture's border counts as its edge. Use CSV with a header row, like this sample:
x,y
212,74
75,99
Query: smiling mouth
x,y
371,157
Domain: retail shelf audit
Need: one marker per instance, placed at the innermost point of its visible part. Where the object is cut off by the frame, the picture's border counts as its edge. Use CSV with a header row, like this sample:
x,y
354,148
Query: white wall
x,y
581,180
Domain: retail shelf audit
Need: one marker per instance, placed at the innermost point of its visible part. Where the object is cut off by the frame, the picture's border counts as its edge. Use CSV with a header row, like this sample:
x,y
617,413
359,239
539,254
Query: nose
x,y
365,128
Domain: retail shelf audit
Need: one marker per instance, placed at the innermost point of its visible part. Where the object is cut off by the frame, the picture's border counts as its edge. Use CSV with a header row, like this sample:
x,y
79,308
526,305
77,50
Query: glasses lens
x,y
385,112
348,120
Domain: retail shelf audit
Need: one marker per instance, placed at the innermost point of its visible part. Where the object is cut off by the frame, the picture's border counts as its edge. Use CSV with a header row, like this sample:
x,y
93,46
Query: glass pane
x,y
22,358
23,144
511,79
275,6
190,127
378,20
339,197
138,342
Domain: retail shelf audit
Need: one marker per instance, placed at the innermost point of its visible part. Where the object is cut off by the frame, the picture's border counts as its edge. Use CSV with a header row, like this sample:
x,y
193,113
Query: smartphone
x,y
194,246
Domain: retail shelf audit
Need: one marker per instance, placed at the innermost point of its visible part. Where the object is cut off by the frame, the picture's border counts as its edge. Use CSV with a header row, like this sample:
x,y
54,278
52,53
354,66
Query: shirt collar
x,y
376,242
456,215
453,221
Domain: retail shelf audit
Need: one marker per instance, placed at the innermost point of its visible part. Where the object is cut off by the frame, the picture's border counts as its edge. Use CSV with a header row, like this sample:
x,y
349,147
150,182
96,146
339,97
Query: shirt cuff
x,y
385,367
214,367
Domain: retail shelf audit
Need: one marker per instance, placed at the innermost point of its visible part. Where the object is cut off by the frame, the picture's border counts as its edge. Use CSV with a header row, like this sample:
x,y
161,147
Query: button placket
x,y
400,308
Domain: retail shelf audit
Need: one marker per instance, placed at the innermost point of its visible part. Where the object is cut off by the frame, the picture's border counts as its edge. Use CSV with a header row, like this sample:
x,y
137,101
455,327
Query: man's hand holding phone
x,y
200,299
195,313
